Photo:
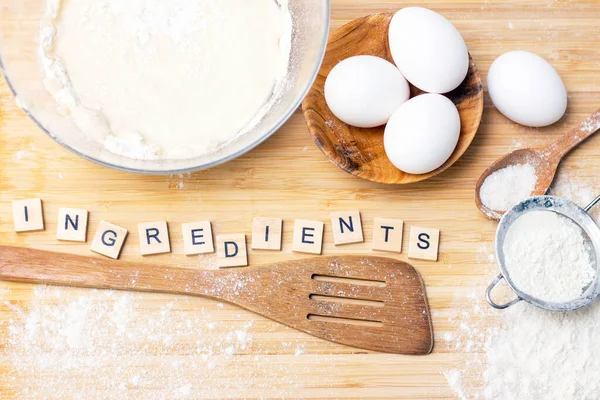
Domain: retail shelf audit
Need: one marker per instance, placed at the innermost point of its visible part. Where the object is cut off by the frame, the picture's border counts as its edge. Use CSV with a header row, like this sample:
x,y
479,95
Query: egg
x,y
428,50
527,89
422,134
364,91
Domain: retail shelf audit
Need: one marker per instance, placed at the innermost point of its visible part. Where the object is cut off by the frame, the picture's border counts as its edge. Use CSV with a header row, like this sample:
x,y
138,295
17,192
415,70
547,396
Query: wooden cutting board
x,y
286,177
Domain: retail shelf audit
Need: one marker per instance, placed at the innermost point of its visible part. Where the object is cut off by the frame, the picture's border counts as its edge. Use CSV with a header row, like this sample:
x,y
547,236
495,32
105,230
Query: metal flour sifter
x,y
567,209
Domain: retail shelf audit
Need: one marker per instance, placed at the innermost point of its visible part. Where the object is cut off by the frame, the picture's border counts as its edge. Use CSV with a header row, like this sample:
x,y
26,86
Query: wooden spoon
x,y
360,151
373,303
545,161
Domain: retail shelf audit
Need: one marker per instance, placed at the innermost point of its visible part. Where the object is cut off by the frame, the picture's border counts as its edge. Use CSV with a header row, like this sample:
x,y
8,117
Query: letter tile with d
x,y
231,251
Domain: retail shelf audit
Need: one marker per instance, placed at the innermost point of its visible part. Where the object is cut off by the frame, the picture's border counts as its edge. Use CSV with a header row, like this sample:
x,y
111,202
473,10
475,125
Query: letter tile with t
x,y
154,238
231,251
109,240
387,234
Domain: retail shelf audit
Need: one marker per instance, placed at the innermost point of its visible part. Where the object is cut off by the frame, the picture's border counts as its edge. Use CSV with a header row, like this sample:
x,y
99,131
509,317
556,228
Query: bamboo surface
x,y
289,177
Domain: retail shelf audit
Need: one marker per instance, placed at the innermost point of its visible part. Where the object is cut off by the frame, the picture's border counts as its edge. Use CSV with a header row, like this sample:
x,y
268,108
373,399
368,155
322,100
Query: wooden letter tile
x,y
197,238
346,227
72,224
28,215
109,240
308,236
424,243
231,251
266,233
387,234
154,238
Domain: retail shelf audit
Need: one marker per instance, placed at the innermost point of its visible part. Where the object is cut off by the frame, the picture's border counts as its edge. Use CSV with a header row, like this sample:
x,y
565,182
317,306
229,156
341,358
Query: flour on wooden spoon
x,y
165,79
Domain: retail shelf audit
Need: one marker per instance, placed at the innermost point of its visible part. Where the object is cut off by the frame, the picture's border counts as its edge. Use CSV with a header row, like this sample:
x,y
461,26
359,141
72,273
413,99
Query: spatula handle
x,y
37,266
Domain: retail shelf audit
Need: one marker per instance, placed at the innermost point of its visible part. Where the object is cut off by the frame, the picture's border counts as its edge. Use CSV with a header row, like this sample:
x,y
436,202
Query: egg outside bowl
x,y
19,32
360,151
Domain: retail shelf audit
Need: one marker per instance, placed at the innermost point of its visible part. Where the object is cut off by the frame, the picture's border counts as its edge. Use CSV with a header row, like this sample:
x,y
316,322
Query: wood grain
x,y
289,177
360,151
392,316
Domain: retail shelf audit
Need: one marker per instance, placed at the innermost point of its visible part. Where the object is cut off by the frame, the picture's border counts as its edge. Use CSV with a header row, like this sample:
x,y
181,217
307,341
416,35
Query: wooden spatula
x,y
369,302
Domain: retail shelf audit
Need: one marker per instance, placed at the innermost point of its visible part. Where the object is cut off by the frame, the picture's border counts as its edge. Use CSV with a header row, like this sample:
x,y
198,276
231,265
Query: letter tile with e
x,y
308,236
197,238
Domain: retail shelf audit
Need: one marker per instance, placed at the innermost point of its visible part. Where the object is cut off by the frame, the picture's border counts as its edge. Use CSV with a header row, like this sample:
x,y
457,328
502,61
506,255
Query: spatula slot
x,y
346,300
351,281
347,321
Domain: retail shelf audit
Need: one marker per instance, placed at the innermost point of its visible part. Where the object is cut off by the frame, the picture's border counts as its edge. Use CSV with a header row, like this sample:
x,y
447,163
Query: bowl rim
x,y
326,4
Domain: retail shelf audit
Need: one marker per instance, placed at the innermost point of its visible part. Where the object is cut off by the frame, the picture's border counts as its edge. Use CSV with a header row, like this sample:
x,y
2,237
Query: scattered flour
x,y
507,187
524,352
455,381
121,345
543,355
548,257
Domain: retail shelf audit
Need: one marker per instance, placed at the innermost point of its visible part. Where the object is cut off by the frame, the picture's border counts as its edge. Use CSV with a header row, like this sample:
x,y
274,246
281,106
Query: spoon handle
x,y
567,142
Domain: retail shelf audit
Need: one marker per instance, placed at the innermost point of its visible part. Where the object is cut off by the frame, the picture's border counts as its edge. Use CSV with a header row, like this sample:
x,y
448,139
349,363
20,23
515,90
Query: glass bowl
x,y
19,32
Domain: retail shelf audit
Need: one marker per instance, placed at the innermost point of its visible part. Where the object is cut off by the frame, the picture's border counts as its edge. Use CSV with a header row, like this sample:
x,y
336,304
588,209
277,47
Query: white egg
x,y
527,89
428,50
364,91
422,134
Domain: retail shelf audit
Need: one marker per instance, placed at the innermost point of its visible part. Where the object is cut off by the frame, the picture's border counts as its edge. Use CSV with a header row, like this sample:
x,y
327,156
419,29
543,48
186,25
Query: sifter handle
x,y
488,293
592,204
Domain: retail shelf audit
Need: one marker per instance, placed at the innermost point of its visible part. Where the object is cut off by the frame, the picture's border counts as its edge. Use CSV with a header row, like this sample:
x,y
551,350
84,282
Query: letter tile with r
x,y
154,238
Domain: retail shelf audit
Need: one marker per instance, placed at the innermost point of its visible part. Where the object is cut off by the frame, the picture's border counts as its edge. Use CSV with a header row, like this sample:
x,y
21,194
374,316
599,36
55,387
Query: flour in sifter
x,y
548,256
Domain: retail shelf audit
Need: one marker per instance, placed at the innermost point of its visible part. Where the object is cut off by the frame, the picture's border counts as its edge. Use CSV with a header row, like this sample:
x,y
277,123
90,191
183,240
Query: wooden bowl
x,y
360,151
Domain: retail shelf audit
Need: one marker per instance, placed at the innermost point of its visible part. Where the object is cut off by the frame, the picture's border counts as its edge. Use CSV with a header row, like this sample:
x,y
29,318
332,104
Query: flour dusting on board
x,y
107,344
524,352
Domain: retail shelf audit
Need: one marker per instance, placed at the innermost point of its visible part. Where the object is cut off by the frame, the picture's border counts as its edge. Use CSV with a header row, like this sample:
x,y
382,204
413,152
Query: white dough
x,y
527,89
428,50
164,79
364,91
422,134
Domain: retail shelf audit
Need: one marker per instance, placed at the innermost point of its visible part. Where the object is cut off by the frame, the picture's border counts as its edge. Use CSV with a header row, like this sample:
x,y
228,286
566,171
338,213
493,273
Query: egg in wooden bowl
x,y
360,151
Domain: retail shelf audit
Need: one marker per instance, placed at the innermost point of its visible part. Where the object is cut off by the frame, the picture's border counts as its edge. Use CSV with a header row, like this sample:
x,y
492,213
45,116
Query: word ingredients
x,y
231,250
